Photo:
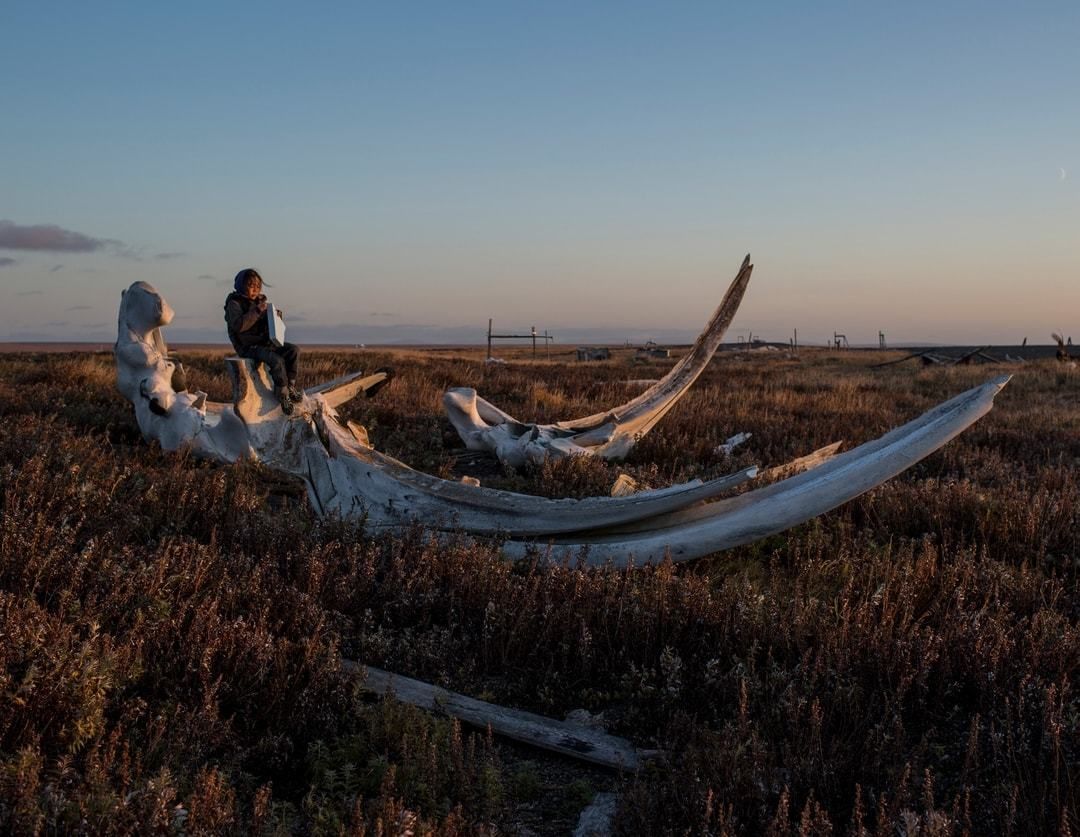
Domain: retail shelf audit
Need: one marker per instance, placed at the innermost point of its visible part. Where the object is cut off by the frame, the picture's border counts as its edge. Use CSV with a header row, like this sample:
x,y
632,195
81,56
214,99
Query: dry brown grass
x,y
906,664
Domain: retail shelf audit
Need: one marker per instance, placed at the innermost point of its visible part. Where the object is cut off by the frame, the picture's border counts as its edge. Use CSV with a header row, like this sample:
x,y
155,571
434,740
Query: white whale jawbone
x,y
724,524
346,476
609,434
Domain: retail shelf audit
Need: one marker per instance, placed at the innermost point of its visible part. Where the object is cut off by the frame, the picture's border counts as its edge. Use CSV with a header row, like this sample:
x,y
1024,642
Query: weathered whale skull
x,y
251,427
610,434
346,476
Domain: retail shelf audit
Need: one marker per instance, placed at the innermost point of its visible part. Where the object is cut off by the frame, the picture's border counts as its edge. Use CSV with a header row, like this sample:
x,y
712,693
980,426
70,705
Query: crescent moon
x,y
1064,173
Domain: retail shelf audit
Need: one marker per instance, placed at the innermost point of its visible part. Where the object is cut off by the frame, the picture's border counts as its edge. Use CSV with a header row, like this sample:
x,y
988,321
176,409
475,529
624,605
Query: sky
x,y
402,172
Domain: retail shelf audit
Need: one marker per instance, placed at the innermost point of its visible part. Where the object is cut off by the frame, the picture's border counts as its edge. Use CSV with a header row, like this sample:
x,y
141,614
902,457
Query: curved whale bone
x,y
753,515
610,434
346,476
354,479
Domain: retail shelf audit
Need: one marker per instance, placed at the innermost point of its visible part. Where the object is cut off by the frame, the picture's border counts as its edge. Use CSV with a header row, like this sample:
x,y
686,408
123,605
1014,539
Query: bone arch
x,y
609,434
348,477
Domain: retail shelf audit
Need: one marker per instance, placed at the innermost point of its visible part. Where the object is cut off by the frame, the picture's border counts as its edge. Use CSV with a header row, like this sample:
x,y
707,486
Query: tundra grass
x,y
172,629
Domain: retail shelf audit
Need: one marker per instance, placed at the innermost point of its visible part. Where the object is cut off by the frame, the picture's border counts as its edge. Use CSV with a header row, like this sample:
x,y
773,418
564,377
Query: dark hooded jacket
x,y
247,327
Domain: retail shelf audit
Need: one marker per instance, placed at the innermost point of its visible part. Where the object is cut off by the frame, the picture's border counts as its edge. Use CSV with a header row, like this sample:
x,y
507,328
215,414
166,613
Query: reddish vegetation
x,y
907,664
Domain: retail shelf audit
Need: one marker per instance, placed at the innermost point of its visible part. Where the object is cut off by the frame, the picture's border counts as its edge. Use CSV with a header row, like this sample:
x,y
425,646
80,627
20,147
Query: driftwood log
x,y
579,742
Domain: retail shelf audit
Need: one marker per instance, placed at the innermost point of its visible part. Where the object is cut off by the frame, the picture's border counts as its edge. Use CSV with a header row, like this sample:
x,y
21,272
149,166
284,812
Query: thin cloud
x,y
56,268
164,257
57,324
49,238
7,261
383,314
206,277
28,293
78,308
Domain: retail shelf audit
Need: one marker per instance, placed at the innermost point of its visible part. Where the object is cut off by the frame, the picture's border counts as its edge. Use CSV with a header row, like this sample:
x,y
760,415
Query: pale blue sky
x,y
405,171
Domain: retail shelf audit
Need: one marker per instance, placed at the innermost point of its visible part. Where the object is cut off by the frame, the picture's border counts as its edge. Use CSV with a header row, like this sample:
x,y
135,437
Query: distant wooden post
x,y
532,335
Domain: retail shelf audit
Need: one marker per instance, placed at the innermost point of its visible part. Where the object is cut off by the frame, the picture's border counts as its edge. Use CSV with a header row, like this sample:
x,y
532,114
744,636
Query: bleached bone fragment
x,y
610,434
347,387
359,433
803,463
624,486
733,442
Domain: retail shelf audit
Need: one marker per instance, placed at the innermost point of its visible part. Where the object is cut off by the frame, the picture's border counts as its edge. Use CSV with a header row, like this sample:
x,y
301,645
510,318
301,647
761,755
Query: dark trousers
x,y
281,361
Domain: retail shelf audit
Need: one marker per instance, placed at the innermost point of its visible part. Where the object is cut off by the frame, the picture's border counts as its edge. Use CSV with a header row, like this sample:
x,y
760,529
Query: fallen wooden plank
x,y
966,358
558,736
901,360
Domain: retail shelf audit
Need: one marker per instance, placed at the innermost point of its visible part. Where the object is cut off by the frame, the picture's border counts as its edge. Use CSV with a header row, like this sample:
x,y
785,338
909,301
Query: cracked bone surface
x,y
610,434
346,476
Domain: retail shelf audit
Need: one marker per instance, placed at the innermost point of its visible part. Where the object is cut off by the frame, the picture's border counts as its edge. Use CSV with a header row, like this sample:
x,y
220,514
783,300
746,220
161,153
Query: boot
x,y
282,394
295,393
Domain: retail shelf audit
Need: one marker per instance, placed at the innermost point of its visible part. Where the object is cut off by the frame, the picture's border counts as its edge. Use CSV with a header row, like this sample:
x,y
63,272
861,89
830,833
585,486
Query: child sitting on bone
x,y
245,315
